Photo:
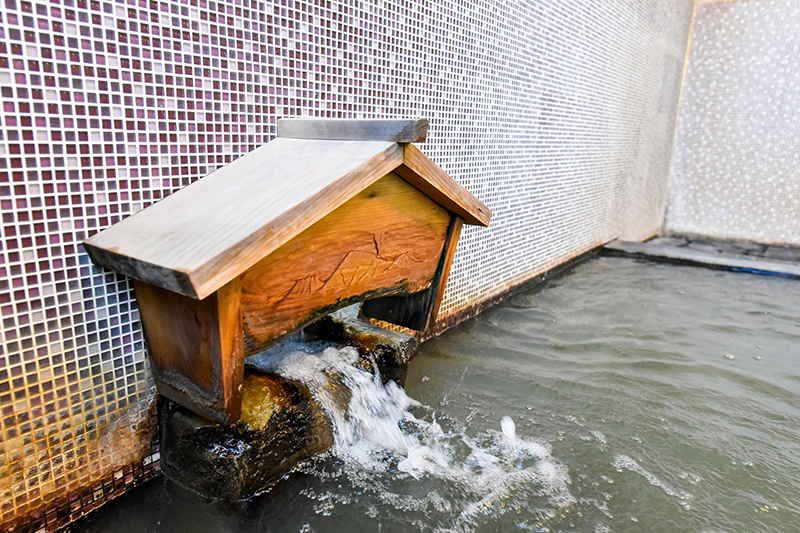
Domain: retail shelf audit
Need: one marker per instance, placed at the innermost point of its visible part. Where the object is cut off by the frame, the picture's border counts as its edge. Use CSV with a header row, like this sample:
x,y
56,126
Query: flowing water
x,y
622,396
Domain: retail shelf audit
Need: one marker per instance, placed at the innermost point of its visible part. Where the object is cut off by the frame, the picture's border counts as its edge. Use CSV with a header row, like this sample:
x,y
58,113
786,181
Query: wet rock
x,y
389,350
281,425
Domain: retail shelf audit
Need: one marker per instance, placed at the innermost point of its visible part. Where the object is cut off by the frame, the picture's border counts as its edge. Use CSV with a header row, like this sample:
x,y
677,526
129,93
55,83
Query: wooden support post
x,y
443,272
196,347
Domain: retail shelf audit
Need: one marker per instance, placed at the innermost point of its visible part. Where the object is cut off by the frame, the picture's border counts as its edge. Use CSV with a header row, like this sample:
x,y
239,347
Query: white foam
x,y
509,430
380,441
624,462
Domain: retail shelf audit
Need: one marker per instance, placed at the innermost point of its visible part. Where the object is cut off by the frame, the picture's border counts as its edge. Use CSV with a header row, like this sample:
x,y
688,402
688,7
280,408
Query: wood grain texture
x,y
418,311
388,239
198,239
397,130
231,348
437,185
196,348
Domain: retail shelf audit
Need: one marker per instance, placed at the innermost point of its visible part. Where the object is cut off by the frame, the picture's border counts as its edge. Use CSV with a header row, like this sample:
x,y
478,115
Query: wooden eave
x,y
198,239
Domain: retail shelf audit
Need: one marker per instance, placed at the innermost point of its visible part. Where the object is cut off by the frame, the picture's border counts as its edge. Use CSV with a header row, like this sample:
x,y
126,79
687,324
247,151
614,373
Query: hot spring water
x,y
623,396
393,449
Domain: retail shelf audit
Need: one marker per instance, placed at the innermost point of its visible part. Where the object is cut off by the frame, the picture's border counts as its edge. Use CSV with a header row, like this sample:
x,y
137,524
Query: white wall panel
x,y
736,168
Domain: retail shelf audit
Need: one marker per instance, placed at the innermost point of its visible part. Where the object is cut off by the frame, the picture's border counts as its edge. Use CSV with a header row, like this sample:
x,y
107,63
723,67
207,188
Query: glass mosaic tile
x,y
558,115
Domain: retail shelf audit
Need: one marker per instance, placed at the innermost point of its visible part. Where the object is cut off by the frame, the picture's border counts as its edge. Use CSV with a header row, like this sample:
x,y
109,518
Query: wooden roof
x,y
198,239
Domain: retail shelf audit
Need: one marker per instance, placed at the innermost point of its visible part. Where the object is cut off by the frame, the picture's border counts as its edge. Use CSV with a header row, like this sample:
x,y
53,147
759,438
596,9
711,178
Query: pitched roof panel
x,y
203,236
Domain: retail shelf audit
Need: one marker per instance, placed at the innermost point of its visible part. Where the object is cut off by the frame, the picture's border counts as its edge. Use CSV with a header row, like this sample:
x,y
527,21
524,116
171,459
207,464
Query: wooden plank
x,y
388,239
231,348
437,185
196,348
418,311
447,263
199,239
397,130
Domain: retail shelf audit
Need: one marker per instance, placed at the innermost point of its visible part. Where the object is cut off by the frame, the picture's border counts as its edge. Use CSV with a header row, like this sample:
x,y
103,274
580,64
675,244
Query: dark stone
x,y
239,461
281,425
389,350
686,255
408,310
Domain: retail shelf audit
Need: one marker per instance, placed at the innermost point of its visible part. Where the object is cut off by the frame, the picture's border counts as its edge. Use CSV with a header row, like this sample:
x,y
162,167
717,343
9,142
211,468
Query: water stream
x,y
428,472
623,396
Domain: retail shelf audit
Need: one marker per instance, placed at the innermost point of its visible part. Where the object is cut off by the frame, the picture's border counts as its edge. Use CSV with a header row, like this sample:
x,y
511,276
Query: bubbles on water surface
x,y
692,478
392,453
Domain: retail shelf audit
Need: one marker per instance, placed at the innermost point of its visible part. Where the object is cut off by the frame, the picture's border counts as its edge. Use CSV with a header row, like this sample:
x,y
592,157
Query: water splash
x,y
397,456
509,430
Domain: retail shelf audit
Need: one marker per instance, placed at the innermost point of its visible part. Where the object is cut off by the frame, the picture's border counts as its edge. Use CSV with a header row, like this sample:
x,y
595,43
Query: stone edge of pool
x,y
738,256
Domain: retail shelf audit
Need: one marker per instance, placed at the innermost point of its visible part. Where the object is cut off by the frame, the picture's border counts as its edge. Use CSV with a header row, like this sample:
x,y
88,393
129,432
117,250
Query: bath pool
x,y
639,397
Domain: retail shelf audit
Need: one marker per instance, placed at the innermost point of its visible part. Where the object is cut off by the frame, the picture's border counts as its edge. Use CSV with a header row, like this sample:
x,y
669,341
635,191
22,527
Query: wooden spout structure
x,y
329,213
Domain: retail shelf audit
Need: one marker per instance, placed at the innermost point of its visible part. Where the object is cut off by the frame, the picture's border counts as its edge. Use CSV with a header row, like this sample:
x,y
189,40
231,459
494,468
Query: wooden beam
x,y
437,185
397,130
196,348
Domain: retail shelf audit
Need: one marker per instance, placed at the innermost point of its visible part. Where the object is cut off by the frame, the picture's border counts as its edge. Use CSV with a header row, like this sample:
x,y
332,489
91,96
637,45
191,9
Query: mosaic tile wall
x,y
736,170
558,115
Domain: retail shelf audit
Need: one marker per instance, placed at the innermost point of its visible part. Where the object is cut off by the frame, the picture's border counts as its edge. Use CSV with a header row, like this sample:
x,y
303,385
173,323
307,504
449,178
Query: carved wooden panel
x,y
418,310
388,239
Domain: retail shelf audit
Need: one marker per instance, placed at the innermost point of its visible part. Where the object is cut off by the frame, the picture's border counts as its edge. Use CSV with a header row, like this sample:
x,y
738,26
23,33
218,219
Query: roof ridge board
x,y
405,130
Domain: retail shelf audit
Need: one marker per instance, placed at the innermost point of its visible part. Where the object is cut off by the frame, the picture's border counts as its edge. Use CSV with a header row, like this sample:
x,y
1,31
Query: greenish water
x,y
645,397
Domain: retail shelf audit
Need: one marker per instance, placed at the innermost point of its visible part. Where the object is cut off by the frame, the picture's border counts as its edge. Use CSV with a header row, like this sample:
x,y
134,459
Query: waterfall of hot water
x,y
394,448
